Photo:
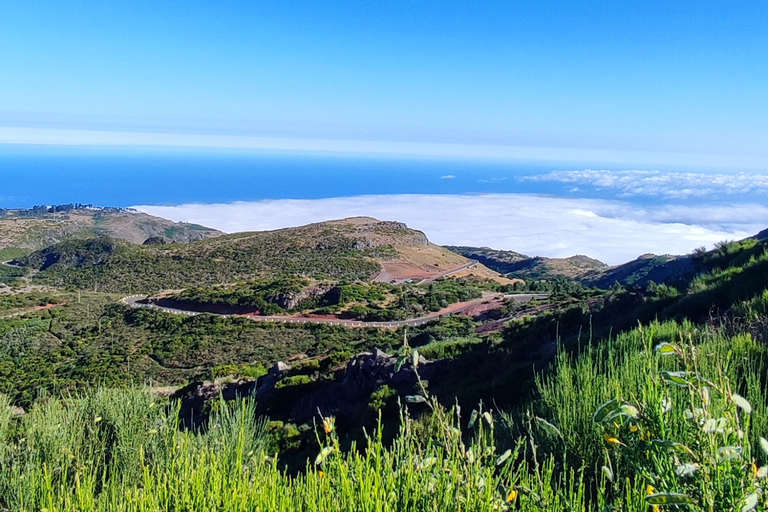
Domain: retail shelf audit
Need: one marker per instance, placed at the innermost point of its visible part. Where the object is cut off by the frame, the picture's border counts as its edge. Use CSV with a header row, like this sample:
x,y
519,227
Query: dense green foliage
x,y
108,265
375,301
269,297
623,399
20,301
95,341
667,413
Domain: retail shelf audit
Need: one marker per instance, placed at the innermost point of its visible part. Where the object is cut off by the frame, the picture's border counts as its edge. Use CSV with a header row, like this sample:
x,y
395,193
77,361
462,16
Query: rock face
x,y
196,395
156,240
346,396
292,300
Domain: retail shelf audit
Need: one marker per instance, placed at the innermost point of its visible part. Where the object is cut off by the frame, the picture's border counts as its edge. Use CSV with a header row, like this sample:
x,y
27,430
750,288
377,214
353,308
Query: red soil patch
x,y
403,271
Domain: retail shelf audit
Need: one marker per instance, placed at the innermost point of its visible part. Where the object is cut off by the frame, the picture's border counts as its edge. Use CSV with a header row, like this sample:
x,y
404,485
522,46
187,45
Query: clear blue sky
x,y
682,76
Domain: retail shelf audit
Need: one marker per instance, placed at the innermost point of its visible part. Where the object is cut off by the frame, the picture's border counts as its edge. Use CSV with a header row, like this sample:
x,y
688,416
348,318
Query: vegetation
x,y
108,265
665,415
92,340
42,226
375,301
649,395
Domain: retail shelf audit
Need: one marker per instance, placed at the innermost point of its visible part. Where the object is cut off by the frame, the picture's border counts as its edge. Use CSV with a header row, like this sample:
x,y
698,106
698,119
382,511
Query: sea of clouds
x,y
667,185
612,231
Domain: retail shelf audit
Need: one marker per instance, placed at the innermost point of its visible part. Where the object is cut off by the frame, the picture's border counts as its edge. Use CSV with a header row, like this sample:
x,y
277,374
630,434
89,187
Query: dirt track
x,y
30,310
459,307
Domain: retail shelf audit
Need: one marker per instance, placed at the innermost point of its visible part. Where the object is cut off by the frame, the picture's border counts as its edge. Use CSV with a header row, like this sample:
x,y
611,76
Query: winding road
x,y
135,301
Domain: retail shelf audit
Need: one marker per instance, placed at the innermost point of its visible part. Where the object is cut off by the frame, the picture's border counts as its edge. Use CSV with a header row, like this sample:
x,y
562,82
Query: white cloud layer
x,y
612,231
671,185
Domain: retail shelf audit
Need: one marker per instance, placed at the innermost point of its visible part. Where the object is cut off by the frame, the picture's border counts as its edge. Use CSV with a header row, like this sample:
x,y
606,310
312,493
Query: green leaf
x,y
549,428
488,418
323,454
742,402
764,445
607,472
750,502
399,363
605,410
667,349
686,469
715,425
629,411
415,359
614,409
667,498
672,445
503,457
727,453
677,378
472,419
415,399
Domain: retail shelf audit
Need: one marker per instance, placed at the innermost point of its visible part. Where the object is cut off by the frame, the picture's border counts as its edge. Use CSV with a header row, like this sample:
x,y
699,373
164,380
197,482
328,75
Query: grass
x,y
668,415
122,452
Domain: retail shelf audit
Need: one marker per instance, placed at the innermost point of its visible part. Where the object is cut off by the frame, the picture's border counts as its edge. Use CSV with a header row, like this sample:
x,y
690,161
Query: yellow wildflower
x,y
612,440
512,496
650,490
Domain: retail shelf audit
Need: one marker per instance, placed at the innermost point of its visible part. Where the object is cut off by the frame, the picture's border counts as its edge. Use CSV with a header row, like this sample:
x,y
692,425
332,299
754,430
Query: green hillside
x,y
517,265
648,394
350,249
42,226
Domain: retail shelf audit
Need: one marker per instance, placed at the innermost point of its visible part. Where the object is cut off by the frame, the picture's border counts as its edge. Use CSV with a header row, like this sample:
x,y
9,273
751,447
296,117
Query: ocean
x,y
32,175
613,213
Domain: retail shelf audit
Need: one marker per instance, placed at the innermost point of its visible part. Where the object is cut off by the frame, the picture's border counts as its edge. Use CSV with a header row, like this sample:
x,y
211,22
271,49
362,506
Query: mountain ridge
x,y
43,226
357,248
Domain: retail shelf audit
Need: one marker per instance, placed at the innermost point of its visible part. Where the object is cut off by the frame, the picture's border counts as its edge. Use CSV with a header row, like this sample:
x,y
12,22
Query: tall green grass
x,y
122,451
666,416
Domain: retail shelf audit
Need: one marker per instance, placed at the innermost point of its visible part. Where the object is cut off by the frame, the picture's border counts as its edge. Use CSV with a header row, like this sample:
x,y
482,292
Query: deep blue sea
x,y
540,208
31,175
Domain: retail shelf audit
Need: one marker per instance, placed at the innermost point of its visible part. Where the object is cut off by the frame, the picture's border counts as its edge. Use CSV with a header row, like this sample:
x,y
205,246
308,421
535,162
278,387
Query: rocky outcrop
x,y
346,395
156,240
292,300
195,396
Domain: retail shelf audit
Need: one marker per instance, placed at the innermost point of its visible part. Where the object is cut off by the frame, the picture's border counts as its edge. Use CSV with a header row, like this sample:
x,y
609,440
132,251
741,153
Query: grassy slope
x,y
29,230
525,267
349,249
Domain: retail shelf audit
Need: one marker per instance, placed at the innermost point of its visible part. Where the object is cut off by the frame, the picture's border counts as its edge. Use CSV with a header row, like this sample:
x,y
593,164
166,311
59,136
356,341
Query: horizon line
x,y
16,136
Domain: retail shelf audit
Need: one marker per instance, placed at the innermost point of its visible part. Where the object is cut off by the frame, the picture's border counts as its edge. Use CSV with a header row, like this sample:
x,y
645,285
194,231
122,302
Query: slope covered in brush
x,y
40,227
520,266
351,249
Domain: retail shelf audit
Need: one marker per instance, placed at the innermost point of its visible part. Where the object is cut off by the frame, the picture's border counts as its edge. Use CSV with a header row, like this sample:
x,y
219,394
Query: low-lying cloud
x,y
670,185
612,231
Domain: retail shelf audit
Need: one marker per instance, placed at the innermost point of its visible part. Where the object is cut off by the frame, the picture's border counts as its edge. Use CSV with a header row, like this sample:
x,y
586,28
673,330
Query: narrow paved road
x,y
134,301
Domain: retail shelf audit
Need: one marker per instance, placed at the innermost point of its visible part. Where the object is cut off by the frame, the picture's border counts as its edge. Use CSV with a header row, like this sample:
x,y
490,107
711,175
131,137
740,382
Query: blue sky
x,y
646,78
